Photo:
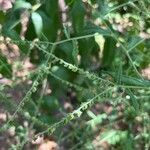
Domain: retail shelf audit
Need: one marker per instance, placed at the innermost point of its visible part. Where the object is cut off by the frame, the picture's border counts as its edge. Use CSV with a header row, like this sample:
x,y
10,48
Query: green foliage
x,y
109,52
93,61
5,67
113,136
38,24
77,14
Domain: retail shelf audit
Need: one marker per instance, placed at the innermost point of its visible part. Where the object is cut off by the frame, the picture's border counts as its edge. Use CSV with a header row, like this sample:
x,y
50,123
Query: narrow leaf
x,y
37,22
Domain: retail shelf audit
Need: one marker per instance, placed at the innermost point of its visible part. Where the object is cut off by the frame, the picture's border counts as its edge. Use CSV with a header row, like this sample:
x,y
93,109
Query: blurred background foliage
x,y
109,38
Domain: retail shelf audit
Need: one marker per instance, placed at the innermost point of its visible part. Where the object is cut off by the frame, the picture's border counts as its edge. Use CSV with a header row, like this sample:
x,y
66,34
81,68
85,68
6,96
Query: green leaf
x,y
78,13
30,33
134,43
2,17
108,52
133,100
51,19
113,136
50,103
22,4
103,7
119,73
37,22
57,87
51,7
75,52
130,80
87,48
5,67
65,51
91,28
